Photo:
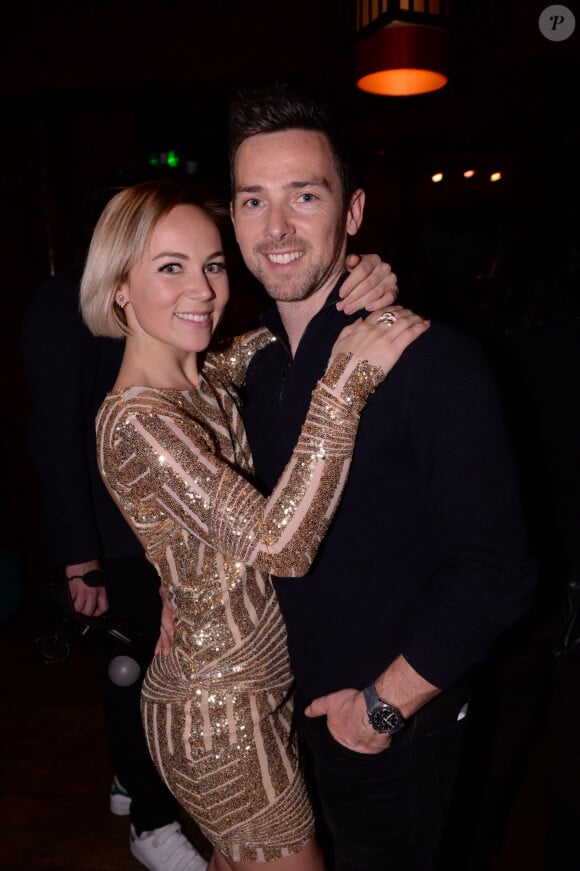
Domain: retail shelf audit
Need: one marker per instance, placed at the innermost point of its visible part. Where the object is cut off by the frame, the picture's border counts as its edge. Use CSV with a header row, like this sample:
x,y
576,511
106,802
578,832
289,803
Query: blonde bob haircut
x,y
119,240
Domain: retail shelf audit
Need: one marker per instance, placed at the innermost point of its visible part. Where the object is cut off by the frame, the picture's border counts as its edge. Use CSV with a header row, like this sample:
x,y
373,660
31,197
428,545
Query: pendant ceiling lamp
x,y
402,47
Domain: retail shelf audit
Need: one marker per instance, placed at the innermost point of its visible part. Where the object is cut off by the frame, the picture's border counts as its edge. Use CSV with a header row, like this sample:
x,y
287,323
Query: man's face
x,y
288,212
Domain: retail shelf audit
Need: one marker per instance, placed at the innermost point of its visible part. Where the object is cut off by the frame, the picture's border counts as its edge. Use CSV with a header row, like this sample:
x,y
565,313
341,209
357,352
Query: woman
x,y
173,453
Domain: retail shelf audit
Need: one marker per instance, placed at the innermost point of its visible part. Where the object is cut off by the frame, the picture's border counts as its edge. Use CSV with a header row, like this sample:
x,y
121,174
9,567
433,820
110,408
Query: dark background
x,y
91,90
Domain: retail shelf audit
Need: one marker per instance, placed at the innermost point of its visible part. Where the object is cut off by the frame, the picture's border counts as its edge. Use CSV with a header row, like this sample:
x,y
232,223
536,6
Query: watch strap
x,y
392,721
371,697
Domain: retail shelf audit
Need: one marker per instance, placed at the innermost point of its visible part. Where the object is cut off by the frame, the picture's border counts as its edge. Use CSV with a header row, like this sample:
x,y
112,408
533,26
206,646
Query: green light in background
x,y
165,158
172,159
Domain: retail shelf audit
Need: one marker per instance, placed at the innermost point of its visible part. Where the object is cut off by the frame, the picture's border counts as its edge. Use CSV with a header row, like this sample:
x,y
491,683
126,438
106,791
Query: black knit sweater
x,y
427,554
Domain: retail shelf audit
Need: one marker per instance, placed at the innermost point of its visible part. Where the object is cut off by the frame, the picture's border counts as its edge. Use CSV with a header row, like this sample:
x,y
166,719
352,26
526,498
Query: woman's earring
x,y
121,301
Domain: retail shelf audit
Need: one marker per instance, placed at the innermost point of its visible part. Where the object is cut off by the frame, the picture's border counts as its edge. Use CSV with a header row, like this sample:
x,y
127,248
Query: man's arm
x,y
482,580
346,710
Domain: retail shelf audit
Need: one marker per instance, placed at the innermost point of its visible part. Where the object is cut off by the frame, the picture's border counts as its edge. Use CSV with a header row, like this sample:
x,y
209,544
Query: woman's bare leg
x,y
308,859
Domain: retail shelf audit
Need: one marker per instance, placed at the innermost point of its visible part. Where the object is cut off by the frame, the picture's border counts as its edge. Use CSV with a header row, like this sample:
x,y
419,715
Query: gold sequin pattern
x,y
356,383
232,362
217,711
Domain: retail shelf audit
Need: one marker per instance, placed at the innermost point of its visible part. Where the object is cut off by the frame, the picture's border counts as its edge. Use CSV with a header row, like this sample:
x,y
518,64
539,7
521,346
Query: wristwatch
x,y
383,717
92,578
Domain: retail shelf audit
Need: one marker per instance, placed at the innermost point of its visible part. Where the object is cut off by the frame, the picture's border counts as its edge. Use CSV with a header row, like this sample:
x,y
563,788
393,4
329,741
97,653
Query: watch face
x,y
387,720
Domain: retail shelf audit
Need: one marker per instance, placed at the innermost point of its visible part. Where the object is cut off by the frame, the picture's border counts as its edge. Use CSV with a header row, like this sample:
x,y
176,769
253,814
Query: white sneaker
x,y
119,799
166,849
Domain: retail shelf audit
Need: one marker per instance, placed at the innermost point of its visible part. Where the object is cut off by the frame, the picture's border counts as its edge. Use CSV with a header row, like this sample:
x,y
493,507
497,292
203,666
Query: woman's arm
x,y
232,362
371,285
163,466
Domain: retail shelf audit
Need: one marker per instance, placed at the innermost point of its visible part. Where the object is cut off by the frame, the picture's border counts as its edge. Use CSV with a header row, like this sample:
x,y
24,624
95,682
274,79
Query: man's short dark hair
x,y
277,108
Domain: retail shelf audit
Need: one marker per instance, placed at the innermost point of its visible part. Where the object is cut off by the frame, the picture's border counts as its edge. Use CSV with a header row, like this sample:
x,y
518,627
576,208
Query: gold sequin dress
x,y
218,710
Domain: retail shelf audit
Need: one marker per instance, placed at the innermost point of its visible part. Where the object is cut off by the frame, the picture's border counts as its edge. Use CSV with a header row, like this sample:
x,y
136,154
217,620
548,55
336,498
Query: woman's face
x,y
178,290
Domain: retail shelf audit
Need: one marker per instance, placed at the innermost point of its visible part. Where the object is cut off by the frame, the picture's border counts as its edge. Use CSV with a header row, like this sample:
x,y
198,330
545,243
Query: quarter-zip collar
x,y
323,319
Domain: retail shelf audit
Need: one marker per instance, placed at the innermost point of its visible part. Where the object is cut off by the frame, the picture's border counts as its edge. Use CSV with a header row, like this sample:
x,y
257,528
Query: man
x,y
426,562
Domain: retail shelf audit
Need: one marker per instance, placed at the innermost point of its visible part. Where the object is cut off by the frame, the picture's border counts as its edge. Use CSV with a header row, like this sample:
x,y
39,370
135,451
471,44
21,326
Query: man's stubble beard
x,y
290,289
299,288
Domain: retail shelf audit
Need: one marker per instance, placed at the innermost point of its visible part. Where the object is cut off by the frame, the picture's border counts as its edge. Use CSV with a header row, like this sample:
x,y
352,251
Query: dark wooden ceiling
x,y
88,85
502,69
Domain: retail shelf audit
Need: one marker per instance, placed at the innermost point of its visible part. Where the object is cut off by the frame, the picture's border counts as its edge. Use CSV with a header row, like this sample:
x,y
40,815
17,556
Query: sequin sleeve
x,y
162,467
232,362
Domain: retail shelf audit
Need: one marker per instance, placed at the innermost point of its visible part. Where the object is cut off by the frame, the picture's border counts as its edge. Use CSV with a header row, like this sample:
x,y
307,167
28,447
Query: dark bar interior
x,y
97,94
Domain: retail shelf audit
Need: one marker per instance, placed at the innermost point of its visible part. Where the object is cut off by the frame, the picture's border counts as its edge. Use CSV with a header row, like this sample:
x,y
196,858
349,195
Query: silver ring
x,y
388,318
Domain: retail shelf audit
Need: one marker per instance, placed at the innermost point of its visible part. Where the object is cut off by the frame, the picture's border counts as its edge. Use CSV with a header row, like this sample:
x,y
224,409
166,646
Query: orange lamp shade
x,y
401,60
